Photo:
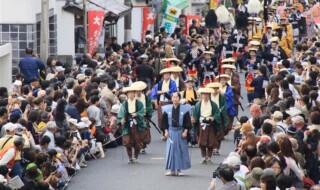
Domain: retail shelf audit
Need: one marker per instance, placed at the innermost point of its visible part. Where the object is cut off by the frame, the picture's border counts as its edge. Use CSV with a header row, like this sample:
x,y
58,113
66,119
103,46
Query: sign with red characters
x,y
148,22
95,24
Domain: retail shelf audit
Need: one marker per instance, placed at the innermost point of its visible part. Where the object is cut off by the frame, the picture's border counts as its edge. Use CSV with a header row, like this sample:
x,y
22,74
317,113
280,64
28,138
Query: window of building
x,y
20,36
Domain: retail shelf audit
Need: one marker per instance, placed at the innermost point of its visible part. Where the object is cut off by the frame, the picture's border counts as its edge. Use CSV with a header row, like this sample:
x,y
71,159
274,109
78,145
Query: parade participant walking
x,y
131,116
177,122
207,116
147,105
234,83
207,68
176,76
226,90
161,94
189,94
221,102
30,66
191,60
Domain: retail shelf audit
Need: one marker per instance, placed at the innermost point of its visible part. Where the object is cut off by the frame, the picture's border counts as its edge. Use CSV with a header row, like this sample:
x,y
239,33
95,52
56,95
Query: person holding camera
x,y
207,116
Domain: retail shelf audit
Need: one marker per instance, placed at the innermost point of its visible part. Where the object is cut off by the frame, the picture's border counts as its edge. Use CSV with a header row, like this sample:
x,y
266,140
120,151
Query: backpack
x,y
246,184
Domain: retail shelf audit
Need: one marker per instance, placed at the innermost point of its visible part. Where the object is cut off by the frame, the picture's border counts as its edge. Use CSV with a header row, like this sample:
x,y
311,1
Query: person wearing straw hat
x,y
206,115
176,122
148,110
189,94
175,76
192,59
253,62
131,116
234,82
161,93
274,53
225,47
221,102
207,68
226,90
239,41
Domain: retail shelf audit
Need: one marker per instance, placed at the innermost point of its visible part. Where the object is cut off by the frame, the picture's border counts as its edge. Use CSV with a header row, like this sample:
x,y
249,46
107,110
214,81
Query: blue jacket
x,y
29,66
257,83
172,86
73,112
230,102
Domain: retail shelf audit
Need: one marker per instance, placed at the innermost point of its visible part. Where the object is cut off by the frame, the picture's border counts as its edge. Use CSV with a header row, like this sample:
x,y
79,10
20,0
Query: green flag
x,y
181,4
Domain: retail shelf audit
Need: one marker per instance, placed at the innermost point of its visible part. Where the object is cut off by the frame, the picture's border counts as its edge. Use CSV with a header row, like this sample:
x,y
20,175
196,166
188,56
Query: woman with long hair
x,y
51,63
274,97
293,169
60,116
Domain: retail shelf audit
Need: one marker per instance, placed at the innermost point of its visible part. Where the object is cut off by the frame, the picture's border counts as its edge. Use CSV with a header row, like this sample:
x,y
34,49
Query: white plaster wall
x,y
21,11
65,30
6,65
137,23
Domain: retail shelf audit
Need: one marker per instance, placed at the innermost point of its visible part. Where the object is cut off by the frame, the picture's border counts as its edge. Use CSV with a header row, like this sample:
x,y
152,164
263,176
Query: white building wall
x,y
137,20
21,11
6,65
65,30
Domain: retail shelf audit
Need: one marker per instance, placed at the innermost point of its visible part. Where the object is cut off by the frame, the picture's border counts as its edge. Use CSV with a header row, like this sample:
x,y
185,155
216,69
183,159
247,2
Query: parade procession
x,y
217,95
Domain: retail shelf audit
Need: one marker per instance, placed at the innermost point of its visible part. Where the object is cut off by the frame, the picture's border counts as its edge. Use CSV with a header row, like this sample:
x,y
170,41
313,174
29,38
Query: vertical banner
x,y
214,4
95,24
148,22
170,18
188,21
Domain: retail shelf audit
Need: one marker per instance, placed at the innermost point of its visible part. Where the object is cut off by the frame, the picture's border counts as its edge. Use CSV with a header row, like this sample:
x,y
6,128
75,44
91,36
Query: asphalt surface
x,y
114,172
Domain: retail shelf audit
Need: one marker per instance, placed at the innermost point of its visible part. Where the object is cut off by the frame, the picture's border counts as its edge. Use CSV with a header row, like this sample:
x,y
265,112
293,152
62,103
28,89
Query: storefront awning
x,y
117,8
109,6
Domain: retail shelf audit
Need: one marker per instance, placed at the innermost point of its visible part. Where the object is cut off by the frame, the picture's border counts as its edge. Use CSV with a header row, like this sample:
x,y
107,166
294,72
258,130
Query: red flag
x,y
95,20
249,79
148,21
188,23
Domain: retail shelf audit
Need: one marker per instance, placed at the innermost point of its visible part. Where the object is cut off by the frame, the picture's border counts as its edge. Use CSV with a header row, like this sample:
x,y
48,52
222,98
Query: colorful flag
x,y
170,18
148,22
95,24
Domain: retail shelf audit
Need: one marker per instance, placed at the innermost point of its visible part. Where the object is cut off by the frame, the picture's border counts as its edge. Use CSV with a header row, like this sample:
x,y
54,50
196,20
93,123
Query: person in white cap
x,y
8,154
131,116
206,116
8,139
51,130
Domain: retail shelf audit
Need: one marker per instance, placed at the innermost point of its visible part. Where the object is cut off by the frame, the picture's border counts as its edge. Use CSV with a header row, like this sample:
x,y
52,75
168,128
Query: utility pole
x,y
44,34
85,29
127,23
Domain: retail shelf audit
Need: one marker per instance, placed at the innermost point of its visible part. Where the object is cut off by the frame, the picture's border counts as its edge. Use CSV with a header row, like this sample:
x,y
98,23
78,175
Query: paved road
x,y
114,173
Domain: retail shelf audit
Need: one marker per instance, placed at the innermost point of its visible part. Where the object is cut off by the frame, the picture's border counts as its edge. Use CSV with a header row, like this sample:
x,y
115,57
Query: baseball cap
x,y
233,161
10,126
59,69
297,119
277,115
81,125
51,125
126,55
86,121
292,130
